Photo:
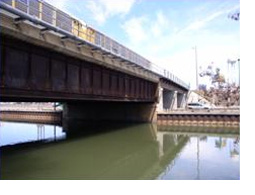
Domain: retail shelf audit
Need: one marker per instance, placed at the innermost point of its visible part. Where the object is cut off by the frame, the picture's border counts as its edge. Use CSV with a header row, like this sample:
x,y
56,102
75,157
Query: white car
x,y
198,106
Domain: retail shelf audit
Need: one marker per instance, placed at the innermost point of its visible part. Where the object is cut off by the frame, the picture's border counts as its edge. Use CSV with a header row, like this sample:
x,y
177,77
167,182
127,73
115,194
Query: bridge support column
x,y
110,111
167,100
174,101
184,101
160,98
181,100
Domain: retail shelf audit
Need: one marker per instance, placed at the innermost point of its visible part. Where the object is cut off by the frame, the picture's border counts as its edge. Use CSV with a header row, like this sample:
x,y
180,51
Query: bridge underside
x,y
34,73
110,111
90,91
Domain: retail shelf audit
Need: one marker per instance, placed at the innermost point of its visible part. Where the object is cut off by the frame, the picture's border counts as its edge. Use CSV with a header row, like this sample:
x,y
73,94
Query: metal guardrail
x,y
46,15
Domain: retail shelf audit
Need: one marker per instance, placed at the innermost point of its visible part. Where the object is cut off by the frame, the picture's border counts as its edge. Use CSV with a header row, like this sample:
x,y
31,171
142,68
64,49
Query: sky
x,y
166,31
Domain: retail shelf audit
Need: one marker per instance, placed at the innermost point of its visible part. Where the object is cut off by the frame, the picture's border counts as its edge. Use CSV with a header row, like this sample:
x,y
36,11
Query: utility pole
x,y
195,48
228,72
238,60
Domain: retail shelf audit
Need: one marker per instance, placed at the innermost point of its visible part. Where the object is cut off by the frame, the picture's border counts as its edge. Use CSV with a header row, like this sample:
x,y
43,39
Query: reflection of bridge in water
x,y
114,151
41,133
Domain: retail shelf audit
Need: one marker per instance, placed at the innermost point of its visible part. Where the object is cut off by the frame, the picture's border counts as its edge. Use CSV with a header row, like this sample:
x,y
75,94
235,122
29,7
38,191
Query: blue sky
x,y
164,31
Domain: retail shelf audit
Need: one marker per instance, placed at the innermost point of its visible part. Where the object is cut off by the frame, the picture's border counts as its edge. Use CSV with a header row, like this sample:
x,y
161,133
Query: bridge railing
x,y
49,14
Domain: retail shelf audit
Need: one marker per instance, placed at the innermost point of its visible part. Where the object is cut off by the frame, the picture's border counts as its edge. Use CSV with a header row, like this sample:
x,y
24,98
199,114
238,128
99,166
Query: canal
x,y
118,151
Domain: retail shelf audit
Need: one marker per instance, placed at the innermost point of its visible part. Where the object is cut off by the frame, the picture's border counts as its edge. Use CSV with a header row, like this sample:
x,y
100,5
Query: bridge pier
x,y
167,100
174,105
171,100
94,111
160,99
181,100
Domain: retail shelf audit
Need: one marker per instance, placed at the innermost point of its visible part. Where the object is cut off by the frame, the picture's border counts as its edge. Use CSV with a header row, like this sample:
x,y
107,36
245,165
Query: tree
x,y
216,77
235,16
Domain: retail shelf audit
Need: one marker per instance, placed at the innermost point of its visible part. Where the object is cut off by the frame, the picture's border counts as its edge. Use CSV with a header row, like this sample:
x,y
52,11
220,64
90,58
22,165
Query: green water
x,y
137,151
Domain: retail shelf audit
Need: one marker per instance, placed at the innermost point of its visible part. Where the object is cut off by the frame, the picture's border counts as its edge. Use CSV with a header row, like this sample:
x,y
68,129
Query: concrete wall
x,y
110,111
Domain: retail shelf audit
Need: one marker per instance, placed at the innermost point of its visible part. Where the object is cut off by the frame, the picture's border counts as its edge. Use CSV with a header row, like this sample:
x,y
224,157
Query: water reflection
x,y
116,151
205,157
17,133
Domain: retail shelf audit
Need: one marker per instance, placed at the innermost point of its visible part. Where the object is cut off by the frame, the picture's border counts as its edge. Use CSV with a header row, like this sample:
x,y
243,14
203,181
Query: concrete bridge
x,y
48,55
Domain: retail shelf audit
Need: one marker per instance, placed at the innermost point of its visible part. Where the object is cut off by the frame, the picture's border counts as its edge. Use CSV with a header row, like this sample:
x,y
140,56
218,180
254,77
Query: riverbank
x,y
199,119
48,117
221,119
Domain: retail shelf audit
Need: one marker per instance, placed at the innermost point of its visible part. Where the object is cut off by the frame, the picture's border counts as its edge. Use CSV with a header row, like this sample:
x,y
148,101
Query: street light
x,y
238,60
195,48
